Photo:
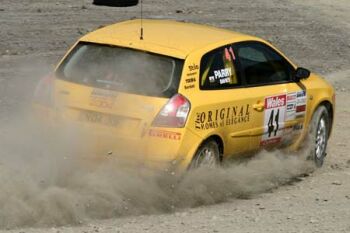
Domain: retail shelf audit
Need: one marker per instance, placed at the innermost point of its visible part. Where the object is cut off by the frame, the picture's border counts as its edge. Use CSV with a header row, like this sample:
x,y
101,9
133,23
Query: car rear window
x,y
122,69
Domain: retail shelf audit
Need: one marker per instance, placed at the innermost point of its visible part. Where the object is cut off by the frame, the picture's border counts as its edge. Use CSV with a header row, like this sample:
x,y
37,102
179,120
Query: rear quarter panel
x,y
211,104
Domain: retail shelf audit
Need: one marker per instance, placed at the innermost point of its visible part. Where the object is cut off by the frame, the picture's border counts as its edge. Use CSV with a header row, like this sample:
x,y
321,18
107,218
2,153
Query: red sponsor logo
x,y
301,108
291,97
164,134
275,101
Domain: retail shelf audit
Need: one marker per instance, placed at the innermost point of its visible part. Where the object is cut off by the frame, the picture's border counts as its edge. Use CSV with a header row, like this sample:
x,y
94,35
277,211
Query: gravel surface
x,y
315,34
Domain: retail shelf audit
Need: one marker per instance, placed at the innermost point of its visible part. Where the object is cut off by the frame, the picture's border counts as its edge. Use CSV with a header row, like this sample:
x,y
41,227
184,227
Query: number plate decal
x,y
100,118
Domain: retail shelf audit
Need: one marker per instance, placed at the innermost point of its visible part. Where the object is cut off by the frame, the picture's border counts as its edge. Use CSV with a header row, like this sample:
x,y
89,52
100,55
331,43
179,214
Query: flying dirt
x,y
45,182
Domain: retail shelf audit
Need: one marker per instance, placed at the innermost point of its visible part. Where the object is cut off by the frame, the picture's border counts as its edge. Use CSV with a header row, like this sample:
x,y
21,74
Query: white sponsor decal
x,y
301,94
291,97
291,106
280,109
275,109
301,101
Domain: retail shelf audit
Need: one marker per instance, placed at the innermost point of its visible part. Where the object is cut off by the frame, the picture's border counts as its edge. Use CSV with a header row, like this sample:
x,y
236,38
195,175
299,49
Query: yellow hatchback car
x,y
186,95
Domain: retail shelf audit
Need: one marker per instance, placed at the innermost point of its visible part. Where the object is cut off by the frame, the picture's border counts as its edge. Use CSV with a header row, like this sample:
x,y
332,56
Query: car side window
x,y
261,64
218,69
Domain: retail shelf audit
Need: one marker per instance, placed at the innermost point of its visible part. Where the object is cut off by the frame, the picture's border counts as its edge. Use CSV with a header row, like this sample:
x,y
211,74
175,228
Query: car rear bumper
x,y
165,149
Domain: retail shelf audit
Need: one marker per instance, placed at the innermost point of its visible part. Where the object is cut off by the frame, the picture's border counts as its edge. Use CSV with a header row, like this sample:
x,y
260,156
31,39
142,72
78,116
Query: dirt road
x,y
35,34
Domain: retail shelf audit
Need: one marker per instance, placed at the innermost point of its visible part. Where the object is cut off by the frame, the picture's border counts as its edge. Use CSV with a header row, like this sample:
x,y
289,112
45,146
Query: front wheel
x,y
207,155
319,133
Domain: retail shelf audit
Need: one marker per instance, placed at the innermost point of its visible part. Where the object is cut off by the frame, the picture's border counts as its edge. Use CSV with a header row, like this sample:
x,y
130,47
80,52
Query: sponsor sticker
x,y
275,109
301,101
301,108
291,106
191,86
301,104
190,80
191,74
301,94
102,98
291,97
278,110
193,67
164,134
222,117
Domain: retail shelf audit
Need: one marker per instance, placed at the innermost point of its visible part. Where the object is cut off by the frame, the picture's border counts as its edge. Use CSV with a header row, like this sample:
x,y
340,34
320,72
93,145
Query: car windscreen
x,y
122,69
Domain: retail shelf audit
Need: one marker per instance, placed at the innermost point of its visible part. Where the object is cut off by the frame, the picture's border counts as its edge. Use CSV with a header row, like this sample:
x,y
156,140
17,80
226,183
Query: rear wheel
x,y
207,155
116,3
319,132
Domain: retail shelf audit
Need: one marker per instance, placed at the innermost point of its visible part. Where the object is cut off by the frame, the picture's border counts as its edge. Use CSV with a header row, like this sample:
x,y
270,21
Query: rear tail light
x,y
43,94
174,114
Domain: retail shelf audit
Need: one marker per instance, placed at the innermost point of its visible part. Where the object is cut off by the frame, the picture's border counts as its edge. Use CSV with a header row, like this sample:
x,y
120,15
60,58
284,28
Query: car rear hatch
x,y
114,94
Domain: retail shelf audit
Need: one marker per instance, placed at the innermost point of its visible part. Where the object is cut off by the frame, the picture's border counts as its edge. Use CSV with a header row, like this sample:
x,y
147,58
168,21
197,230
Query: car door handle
x,y
259,107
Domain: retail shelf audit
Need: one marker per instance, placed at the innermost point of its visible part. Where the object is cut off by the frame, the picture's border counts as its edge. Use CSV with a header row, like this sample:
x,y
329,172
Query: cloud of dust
x,y
43,184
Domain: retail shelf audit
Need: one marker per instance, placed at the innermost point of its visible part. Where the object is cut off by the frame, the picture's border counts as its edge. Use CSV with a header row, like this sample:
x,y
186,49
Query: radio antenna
x,y
141,30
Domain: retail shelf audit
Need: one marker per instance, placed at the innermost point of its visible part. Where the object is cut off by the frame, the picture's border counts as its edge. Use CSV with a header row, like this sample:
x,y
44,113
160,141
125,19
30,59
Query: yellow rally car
x,y
186,95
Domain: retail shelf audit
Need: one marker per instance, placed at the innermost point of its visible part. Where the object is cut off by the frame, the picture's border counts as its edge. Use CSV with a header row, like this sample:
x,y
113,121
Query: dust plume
x,y
44,184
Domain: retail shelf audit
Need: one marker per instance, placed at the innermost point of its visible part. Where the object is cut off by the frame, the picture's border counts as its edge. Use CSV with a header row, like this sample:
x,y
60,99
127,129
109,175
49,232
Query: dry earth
x,y
35,34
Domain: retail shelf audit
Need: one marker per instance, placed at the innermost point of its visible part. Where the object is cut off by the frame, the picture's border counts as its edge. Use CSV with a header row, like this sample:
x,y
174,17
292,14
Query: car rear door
x,y
223,106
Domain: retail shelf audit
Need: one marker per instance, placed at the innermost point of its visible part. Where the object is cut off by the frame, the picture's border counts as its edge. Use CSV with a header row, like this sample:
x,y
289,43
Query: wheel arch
x,y
218,140
330,110
213,137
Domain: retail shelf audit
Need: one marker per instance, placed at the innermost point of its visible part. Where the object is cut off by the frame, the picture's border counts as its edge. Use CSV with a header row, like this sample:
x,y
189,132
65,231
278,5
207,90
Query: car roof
x,y
167,37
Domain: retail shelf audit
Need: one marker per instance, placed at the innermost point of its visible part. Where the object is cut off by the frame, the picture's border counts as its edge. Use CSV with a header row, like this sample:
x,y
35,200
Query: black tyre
x,y
207,155
116,3
319,134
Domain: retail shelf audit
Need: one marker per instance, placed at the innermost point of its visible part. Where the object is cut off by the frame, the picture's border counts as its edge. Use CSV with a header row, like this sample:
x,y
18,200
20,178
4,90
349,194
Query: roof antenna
x,y
141,32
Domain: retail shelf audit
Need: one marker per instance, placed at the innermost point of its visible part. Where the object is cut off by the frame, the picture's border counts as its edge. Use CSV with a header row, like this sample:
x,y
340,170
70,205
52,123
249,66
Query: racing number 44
x,y
273,128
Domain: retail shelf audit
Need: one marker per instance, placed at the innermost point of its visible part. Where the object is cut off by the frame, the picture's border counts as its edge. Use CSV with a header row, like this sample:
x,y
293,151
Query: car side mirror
x,y
116,3
301,73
